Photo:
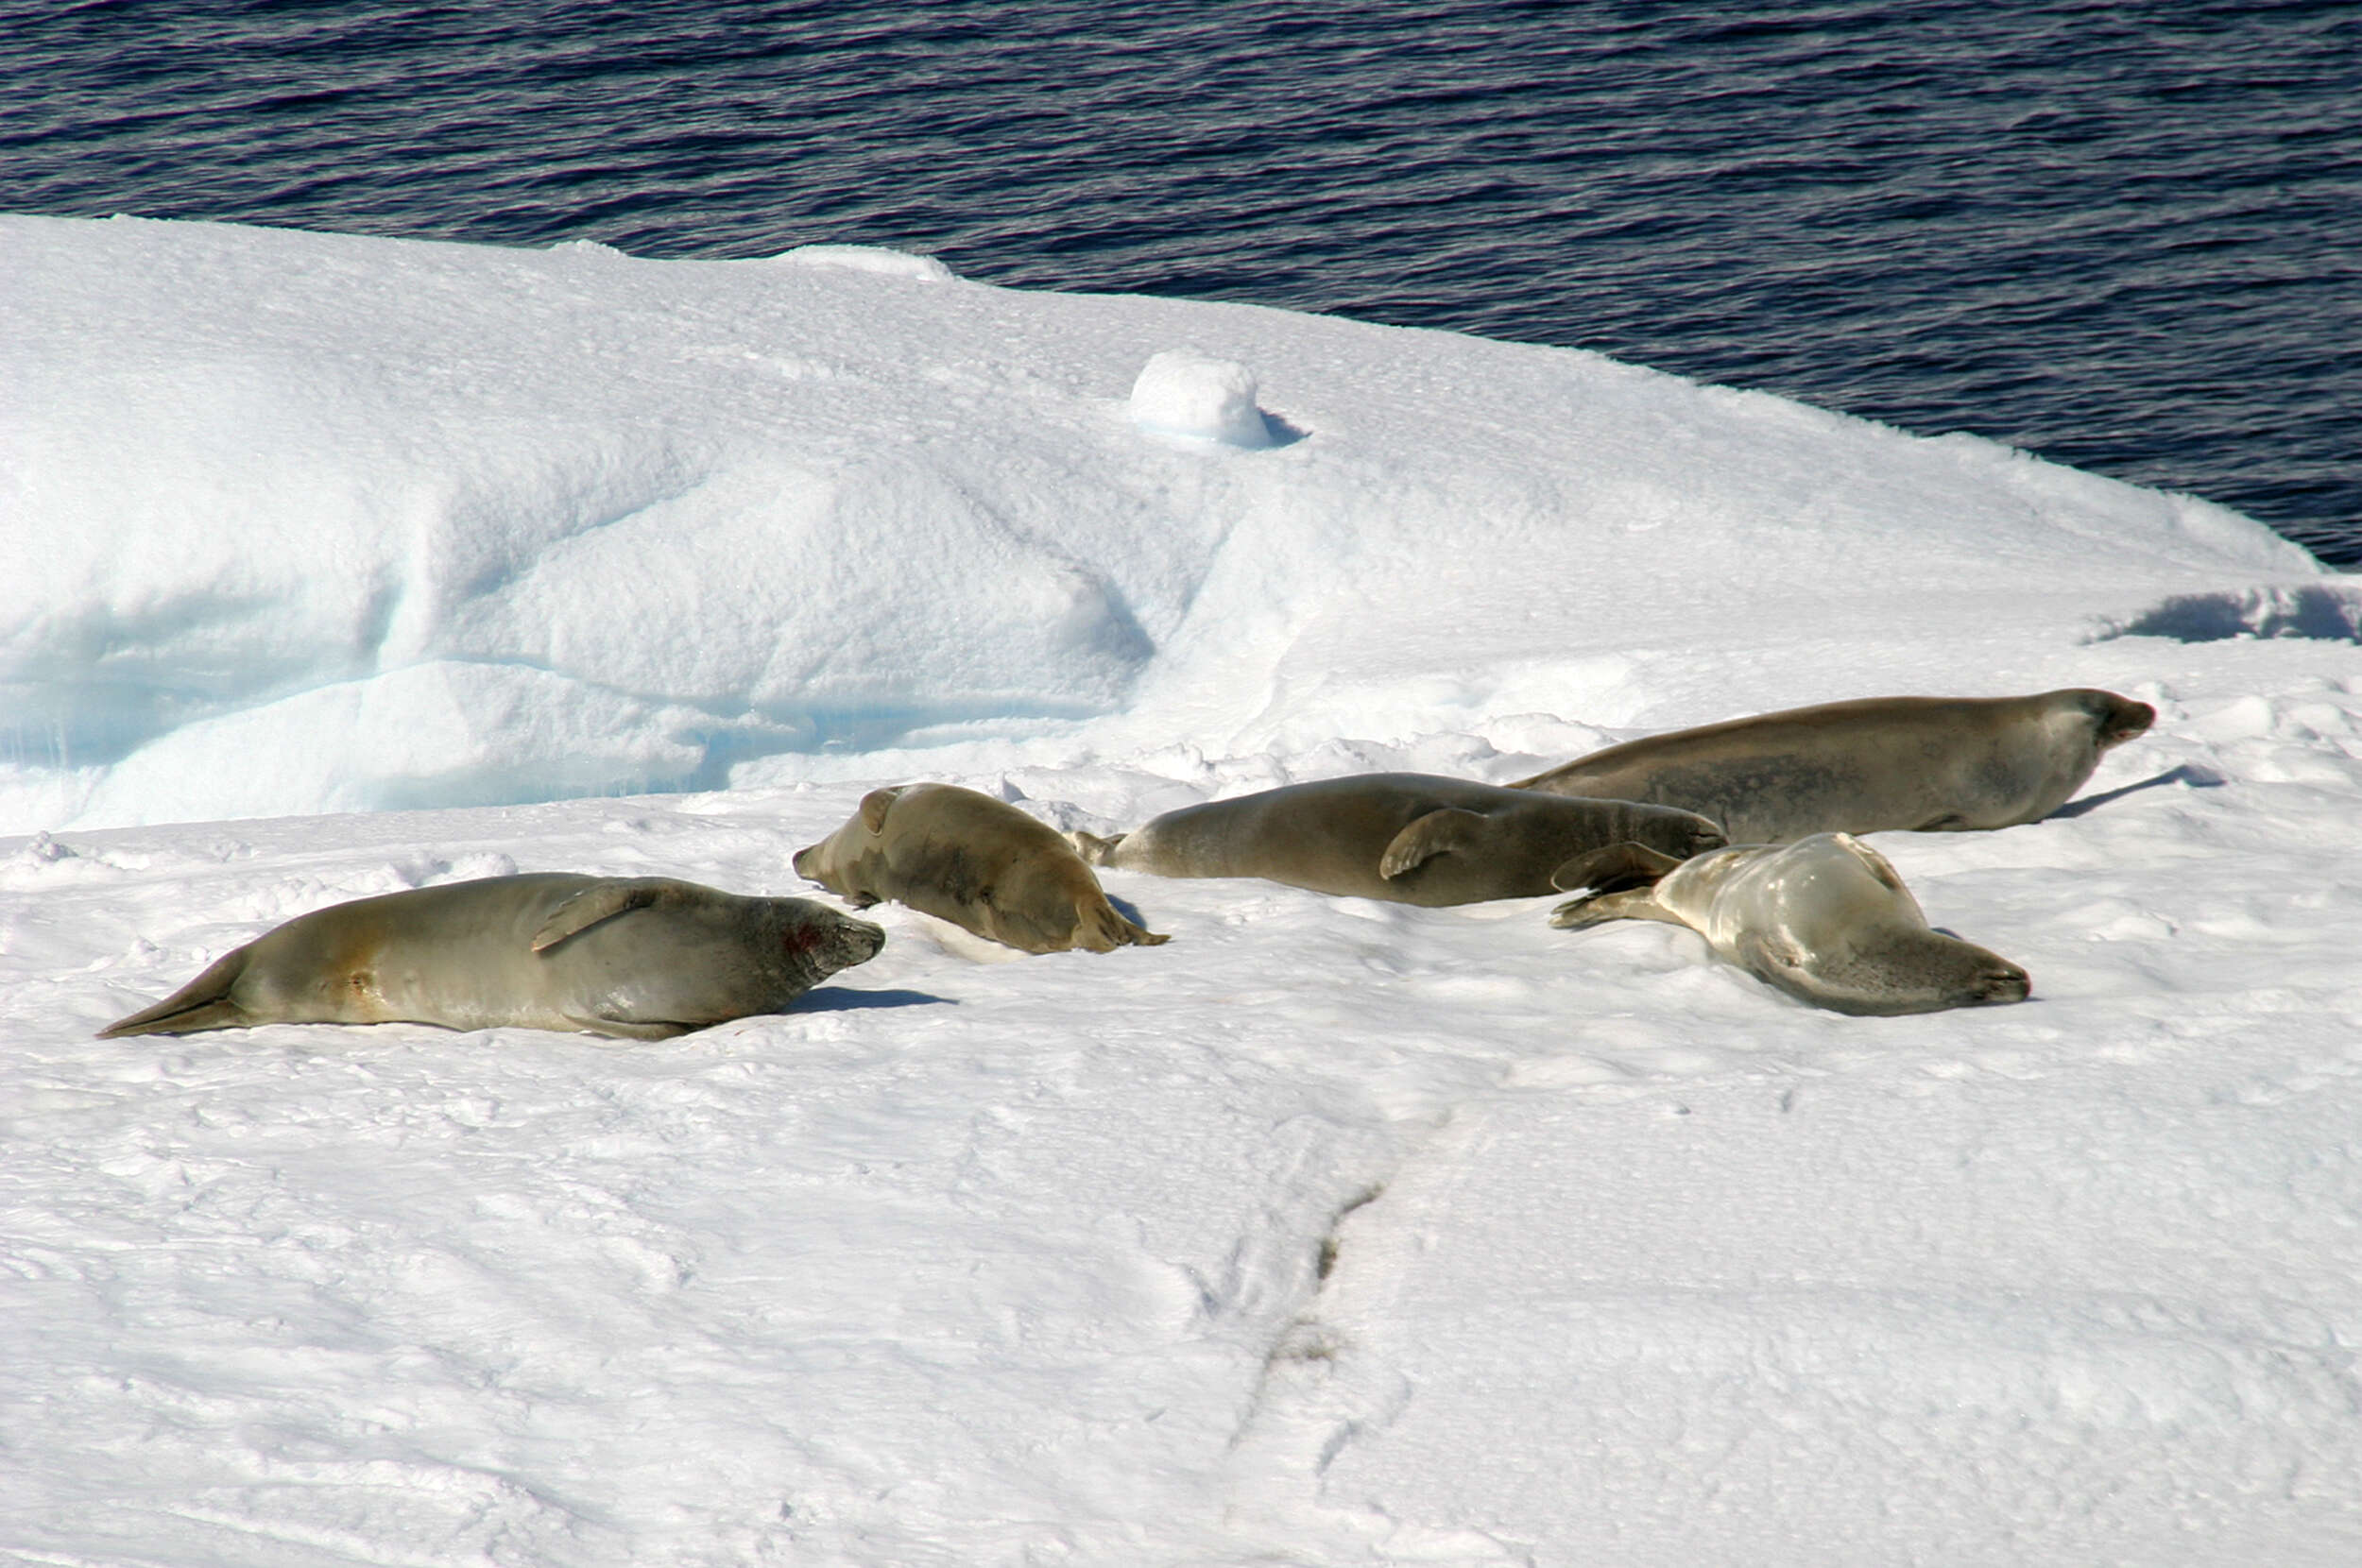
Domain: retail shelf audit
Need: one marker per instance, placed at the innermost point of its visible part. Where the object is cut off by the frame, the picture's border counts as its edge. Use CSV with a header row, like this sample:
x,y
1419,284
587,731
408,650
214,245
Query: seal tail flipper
x,y
1439,832
603,902
1094,849
203,1003
1598,909
1616,883
1613,869
1102,928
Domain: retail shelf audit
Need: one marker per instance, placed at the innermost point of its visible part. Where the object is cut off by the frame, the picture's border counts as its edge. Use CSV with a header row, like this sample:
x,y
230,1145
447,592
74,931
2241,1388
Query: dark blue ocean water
x,y
2125,235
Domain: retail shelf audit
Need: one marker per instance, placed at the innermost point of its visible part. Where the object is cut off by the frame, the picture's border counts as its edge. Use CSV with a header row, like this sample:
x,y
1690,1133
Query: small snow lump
x,y
1196,396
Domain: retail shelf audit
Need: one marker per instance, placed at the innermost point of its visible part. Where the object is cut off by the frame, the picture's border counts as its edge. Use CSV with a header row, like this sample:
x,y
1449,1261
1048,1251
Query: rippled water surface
x,y
2126,235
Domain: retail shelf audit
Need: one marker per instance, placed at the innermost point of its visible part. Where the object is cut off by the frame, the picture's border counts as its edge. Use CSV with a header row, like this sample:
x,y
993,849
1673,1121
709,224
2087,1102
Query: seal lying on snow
x,y
976,862
1863,767
642,958
1824,919
1411,838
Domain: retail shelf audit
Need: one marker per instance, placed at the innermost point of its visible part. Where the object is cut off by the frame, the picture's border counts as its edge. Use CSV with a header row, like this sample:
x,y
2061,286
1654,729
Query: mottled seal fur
x,y
1411,838
640,958
1931,763
976,862
1825,918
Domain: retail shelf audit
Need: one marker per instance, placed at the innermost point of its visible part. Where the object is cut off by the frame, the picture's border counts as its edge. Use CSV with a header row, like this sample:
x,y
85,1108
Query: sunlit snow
x,y
1331,1232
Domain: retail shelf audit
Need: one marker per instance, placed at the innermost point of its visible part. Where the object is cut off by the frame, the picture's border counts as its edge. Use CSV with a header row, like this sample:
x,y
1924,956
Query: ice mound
x,y
1195,397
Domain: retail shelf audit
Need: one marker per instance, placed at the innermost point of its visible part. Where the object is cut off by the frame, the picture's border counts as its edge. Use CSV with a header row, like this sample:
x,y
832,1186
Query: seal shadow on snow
x,y
1127,909
2196,777
1275,433
847,999
2322,612
1278,432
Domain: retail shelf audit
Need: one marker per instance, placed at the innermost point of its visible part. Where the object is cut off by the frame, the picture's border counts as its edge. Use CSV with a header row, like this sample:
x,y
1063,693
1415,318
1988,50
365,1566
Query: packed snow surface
x,y
1331,1232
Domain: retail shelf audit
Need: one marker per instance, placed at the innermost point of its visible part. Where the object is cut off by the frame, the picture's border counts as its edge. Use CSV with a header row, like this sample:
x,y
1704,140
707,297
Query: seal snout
x,y
858,942
2004,982
2124,722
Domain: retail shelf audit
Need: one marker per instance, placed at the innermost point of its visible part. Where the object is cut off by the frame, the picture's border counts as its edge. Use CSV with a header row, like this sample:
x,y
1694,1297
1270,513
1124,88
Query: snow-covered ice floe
x,y
1330,1232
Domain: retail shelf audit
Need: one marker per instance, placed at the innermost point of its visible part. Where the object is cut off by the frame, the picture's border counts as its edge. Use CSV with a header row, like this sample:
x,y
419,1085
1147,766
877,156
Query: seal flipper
x,y
1598,909
203,1003
603,902
1439,832
1100,927
876,804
